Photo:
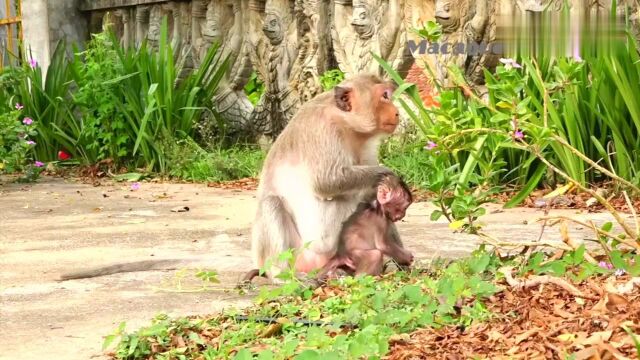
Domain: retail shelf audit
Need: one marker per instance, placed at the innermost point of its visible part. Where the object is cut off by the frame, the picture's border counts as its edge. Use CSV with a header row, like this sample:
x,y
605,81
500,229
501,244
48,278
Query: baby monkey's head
x,y
394,197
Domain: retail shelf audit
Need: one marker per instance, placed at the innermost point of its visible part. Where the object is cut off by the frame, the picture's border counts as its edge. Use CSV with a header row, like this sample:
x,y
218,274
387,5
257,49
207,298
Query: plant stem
x,y
600,231
600,199
575,151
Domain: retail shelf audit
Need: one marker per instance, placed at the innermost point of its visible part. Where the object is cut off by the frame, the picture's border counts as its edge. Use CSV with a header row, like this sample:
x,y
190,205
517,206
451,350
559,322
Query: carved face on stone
x,y
447,15
540,5
211,29
361,21
272,28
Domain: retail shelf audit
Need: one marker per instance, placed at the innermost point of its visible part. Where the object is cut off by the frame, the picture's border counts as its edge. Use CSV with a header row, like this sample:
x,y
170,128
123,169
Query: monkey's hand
x,y
349,179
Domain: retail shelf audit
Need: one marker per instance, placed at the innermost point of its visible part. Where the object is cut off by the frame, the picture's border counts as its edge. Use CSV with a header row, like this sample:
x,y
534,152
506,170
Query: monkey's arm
x,y
394,247
348,179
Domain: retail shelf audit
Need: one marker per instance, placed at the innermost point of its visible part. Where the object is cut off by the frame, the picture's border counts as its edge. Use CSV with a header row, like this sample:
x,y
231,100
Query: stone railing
x,y
291,43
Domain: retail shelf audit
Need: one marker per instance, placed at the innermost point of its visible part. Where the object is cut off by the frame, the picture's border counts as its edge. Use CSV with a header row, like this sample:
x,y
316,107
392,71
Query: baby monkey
x,y
366,235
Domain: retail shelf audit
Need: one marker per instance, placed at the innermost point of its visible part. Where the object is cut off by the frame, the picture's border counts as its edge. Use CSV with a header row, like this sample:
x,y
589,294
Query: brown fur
x,y
317,171
365,237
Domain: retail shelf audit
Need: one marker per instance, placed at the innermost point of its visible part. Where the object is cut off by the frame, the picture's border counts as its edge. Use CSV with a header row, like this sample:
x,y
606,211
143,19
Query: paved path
x,y
58,225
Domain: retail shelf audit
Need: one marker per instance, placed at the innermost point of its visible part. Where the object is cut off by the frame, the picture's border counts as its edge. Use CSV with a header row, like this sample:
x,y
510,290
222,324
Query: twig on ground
x,y
503,244
593,193
633,211
536,280
564,232
629,243
575,151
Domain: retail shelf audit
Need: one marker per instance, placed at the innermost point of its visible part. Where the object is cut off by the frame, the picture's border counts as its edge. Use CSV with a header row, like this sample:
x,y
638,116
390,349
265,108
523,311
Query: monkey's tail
x,y
144,265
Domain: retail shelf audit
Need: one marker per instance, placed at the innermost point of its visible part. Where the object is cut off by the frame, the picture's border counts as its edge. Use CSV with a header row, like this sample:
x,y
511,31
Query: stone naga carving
x,y
313,24
274,44
364,26
225,23
466,24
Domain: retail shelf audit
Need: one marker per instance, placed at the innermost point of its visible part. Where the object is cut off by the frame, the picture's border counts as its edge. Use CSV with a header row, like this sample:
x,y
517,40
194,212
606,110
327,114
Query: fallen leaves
x,y
539,318
240,184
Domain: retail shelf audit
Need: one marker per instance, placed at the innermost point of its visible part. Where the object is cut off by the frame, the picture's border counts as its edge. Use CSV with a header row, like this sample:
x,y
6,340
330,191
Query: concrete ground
x,y
56,226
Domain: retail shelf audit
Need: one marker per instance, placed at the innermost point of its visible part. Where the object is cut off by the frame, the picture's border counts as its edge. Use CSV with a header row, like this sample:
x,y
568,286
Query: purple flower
x,y
31,142
619,272
605,265
33,63
27,121
510,63
518,134
135,186
430,145
19,106
39,164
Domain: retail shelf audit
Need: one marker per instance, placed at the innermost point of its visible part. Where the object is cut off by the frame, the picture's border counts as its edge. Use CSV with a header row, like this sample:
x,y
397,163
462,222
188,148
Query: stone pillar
x,y
35,27
46,22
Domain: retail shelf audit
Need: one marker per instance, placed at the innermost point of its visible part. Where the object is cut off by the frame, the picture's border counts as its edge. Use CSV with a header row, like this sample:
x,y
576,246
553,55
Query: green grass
x,y
406,156
192,163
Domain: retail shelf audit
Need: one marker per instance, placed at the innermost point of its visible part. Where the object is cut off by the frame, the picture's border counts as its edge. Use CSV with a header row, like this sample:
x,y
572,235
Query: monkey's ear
x,y
343,97
384,195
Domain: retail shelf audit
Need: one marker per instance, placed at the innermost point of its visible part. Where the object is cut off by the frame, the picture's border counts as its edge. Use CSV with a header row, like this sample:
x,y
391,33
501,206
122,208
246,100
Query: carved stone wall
x,y
291,43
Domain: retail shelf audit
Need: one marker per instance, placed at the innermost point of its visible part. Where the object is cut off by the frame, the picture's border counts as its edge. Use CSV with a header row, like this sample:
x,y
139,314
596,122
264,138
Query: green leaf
x,y
128,177
308,355
578,255
504,105
133,345
243,354
436,214
616,260
266,355
479,264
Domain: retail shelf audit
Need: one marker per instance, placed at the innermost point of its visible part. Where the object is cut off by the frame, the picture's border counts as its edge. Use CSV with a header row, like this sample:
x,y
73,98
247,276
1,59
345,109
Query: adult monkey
x,y
319,168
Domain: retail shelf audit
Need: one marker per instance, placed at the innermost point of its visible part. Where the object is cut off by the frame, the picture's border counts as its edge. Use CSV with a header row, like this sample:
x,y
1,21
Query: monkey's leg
x,y
368,261
274,232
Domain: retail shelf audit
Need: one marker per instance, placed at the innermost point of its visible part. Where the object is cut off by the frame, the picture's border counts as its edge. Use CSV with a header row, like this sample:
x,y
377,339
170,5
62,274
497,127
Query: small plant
x,y
331,78
254,88
191,162
431,31
17,134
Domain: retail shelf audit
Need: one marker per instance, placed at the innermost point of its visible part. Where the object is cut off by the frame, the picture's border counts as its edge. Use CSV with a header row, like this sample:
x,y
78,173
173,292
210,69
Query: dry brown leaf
x,y
591,352
520,338
615,301
595,338
271,330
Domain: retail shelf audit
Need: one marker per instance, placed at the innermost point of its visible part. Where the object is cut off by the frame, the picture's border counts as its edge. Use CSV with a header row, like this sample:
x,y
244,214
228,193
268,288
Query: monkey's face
x,y
370,103
387,114
394,202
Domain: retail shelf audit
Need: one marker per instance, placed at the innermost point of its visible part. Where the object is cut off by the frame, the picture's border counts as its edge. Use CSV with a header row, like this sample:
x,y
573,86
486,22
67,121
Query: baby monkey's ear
x,y
384,194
